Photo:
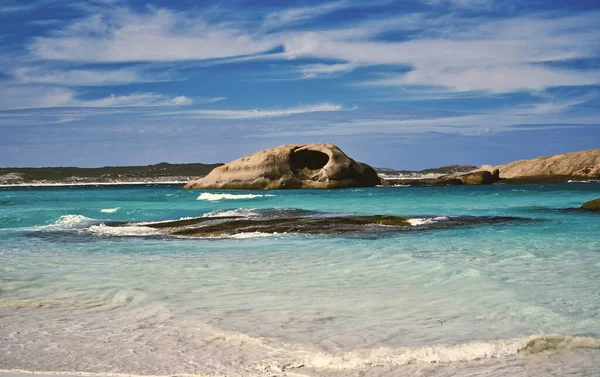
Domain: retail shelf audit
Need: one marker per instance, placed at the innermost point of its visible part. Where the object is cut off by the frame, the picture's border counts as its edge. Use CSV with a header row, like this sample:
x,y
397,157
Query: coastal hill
x,y
558,168
431,172
582,164
109,174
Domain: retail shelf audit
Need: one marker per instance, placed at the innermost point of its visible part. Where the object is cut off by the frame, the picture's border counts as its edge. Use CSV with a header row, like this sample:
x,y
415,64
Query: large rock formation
x,y
583,164
290,167
592,205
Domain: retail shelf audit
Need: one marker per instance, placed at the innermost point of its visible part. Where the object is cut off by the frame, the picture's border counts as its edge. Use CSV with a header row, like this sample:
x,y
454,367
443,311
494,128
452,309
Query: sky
x,y
406,84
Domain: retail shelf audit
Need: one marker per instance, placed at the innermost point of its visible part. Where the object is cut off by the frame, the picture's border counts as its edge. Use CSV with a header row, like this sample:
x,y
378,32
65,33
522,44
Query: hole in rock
x,y
306,163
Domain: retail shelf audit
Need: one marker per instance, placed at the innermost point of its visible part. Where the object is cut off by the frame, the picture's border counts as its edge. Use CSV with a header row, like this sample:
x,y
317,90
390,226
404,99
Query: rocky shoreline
x,y
98,182
311,166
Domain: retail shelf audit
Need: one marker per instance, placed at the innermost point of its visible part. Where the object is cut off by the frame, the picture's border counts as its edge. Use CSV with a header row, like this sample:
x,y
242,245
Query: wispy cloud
x,y
500,56
79,77
17,8
295,15
460,54
121,35
254,113
31,97
545,115
474,4
496,79
320,70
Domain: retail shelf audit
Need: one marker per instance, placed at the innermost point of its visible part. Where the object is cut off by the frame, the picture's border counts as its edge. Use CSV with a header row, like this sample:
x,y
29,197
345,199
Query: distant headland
x,y
159,173
316,166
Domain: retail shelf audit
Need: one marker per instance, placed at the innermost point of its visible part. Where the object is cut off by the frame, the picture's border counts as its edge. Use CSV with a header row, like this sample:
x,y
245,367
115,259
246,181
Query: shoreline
x,y
391,182
58,184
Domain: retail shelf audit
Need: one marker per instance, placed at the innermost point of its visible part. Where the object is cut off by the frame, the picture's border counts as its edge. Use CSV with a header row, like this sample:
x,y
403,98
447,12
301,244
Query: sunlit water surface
x,y
520,298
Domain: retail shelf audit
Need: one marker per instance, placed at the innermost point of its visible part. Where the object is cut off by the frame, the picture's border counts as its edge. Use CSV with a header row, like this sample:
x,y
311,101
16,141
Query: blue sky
x,y
403,84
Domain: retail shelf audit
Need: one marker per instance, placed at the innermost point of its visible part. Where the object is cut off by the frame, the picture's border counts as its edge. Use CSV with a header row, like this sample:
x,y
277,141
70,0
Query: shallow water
x,y
80,296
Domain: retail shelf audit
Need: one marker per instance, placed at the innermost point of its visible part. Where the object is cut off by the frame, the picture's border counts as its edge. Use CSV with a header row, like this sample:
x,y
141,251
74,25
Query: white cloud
x,y
254,113
500,56
77,77
316,70
17,8
135,100
496,79
295,15
449,52
476,4
550,114
159,35
29,97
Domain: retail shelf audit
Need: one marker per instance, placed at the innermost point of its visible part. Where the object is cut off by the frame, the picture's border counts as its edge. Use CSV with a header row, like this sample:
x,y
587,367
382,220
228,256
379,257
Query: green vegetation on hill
x,y
107,173
448,169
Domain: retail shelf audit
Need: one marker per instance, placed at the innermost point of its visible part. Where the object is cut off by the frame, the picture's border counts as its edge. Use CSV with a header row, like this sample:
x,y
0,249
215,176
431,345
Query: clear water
x,y
76,296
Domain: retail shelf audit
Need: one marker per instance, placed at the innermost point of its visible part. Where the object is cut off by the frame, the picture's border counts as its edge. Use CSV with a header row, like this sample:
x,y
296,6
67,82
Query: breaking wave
x,y
216,197
67,222
105,230
110,210
426,220
262,212
241,212
448,353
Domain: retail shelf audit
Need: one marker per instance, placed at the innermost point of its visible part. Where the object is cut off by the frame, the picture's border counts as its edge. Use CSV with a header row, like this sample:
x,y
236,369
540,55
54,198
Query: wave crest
x,y
426,220
448,353
105,230
222,196
69,222
110,210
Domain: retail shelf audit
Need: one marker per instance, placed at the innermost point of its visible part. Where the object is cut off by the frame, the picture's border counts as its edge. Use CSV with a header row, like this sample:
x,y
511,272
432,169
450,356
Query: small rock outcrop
x,y
290,167
582,164
485,175
592,205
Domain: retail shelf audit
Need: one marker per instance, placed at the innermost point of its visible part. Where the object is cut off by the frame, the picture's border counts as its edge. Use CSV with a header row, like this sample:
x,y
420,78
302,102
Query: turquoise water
x,y
77,296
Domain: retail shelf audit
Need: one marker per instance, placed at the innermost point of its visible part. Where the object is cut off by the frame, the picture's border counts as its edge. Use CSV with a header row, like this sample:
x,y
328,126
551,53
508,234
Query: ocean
x,y
517,297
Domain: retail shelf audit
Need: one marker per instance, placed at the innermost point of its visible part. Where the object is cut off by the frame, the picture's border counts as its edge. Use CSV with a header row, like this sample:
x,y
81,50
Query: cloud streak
x,y
158,35
34,97
254,113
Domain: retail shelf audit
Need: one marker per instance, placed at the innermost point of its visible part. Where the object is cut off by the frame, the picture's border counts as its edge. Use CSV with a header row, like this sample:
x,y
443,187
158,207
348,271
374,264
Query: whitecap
x,y
221,196
448,353
426,220
128,230
241,212
110,210
69,222
247,235
142,223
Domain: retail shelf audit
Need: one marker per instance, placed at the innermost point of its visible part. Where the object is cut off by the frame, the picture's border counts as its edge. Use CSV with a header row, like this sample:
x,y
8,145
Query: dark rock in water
x,y
592,205
424,182
486,175
228,226
291,167
482,177
356,225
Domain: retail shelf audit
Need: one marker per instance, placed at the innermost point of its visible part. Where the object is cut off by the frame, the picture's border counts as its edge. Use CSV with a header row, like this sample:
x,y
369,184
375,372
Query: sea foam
x,y
104,230
67,222
221,196
426,220
449,353
110,210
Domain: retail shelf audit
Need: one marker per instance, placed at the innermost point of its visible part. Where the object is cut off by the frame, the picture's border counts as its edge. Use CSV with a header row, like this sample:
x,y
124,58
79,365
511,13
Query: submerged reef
x,y
311,224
